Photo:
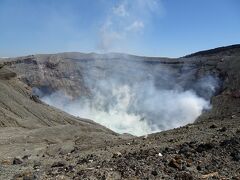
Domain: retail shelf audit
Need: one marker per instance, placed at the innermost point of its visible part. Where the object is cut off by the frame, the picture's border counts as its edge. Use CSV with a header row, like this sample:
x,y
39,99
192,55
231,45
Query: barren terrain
x,y
38,141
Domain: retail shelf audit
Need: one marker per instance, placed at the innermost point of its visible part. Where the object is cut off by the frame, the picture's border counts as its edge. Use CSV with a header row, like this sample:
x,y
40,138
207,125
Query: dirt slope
x,y
27,123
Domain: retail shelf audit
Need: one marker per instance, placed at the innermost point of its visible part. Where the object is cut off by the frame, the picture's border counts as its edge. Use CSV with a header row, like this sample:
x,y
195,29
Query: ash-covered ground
x,y
41,142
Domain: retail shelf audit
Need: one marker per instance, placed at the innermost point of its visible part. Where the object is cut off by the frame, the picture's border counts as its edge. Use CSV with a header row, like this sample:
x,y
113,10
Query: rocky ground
x,y
196,151
59,146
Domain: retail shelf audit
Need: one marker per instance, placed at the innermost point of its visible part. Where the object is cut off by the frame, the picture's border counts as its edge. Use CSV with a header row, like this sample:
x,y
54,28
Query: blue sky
x,y
170,28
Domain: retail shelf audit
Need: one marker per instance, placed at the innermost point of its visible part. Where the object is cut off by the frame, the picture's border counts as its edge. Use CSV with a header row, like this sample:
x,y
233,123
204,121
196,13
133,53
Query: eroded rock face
x,y
49,74
72,72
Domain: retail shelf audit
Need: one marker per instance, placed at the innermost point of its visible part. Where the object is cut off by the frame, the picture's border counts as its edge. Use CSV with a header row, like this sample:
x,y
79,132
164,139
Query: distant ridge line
x,y
214,51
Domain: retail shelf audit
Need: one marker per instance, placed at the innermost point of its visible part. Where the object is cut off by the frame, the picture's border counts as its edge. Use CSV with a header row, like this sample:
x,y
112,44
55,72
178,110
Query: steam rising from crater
x,y
128,94
131,97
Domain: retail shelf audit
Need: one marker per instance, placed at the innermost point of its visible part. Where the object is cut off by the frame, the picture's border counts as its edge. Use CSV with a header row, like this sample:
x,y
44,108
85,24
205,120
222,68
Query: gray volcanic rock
x,y
66,71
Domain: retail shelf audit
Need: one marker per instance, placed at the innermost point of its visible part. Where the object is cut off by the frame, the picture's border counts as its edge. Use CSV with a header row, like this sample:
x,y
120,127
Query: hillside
x,y
27,124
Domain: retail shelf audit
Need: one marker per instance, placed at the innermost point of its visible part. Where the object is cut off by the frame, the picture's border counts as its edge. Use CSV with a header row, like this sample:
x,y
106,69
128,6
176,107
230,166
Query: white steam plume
x,y
130,97
121,109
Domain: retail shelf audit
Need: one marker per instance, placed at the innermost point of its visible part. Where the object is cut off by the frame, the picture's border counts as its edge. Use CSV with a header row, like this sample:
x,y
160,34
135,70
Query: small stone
x,y
184,149
35,98
36,165
223,129
235,156
184,175
199,168
91,168
154,173
213,126
209,167
17,161
233,116
58,164
71,167
73,150
189,162
26,157
207,176
117,154
204,147
174,164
